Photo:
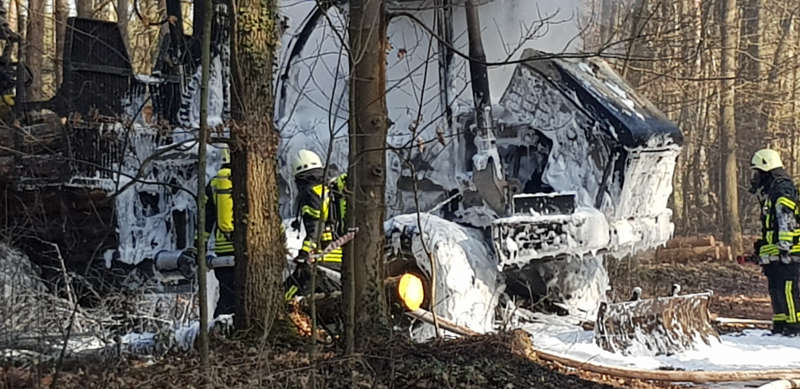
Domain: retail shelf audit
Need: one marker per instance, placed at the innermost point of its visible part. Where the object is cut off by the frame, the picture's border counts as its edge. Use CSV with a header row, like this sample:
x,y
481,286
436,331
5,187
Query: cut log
x,y
690,241
684,254
738,321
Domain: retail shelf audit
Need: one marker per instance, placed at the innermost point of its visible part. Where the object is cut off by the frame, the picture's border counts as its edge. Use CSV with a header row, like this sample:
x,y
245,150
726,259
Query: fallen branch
x,y
737,321
690,241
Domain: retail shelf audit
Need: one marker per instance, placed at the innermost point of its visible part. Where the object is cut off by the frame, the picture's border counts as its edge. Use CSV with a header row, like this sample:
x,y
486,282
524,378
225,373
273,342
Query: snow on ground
x,y
750,350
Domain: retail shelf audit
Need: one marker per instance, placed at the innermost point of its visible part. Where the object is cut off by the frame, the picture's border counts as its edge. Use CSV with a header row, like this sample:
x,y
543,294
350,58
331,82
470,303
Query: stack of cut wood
x,y
693,248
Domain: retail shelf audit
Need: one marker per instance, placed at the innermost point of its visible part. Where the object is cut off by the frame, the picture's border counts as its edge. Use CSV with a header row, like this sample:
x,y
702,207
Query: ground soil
x,y
495,361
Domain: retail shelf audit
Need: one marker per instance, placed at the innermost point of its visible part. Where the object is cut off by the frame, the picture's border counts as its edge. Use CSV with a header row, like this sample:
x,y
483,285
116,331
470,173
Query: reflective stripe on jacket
x,y
314,204
779,221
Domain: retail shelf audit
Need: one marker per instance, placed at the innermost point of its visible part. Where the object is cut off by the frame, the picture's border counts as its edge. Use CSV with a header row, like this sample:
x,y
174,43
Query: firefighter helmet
x,y
766,160
304,161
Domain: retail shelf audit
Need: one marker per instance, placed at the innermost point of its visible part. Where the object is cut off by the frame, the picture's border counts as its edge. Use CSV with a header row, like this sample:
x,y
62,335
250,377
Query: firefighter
x,y
778,249
219,220
320,209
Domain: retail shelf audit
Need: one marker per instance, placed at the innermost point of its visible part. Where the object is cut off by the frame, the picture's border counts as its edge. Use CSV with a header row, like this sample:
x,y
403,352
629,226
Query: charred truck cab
x,y
98,175
520,197
525,194
608,172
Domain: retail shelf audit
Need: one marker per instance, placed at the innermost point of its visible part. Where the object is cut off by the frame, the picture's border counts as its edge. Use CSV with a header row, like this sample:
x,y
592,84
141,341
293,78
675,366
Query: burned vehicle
x,y
516,199
99,175
521,196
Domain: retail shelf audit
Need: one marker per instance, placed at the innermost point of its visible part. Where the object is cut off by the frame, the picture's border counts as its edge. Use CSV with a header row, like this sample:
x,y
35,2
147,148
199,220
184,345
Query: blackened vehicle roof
x,y
607,97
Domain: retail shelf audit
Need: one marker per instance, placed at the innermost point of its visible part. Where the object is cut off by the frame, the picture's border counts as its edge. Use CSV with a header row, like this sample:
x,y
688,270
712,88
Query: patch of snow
x,y
750,350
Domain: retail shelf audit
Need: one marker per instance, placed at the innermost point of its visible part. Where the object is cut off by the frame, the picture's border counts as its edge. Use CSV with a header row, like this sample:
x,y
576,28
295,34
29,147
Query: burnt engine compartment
x,y
74,155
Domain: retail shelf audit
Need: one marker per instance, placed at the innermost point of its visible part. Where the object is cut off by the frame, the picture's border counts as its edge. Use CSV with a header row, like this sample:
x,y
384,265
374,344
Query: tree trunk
x,y
35,47
478,74
258,240
636,29
607,22
367,170
202,269
730,199
793,122
751,120
85,8
61,12
122,21
16,19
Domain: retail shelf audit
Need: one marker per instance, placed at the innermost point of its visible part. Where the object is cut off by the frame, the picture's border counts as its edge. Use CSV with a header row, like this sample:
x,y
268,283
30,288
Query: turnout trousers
x,y
784,295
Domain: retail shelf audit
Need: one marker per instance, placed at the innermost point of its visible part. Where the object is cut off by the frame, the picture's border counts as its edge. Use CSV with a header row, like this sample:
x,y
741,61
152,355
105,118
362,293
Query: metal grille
x,y
95,151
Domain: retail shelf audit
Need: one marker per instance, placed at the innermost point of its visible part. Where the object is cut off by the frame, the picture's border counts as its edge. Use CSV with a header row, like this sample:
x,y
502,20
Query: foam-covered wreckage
x,y
111,156
578,164
575,164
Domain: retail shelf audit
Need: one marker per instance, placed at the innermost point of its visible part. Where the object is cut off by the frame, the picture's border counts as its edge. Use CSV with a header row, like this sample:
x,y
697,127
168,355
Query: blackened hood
x,y
602,93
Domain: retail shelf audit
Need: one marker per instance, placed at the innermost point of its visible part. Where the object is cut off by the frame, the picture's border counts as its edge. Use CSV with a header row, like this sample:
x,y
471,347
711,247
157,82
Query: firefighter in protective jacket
x,y
320,208
219,211
779,247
